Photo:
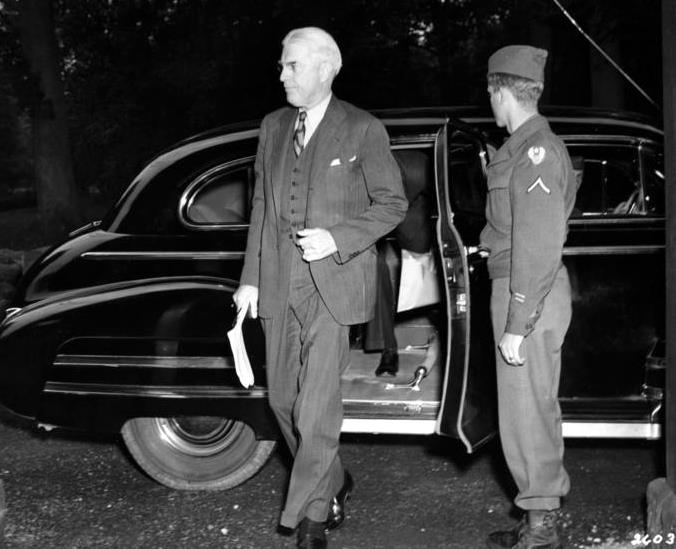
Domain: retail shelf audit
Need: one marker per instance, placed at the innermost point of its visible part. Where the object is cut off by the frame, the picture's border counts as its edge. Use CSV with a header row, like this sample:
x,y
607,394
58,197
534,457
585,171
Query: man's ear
x,y
506,96
325,71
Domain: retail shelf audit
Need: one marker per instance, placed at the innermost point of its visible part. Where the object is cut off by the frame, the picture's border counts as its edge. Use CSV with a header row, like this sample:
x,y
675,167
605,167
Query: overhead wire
x,y
605,55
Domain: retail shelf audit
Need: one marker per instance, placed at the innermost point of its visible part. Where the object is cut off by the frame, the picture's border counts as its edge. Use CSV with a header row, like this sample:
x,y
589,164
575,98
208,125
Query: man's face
x,y
497,105
303,75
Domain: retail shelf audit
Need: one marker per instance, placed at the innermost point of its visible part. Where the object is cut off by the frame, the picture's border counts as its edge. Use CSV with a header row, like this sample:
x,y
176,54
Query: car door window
x,y
653,177
609,181
467,185
221,196
468,175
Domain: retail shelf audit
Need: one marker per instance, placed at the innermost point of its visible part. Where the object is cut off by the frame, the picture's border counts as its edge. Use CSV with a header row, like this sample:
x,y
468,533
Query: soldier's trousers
x,y
528,408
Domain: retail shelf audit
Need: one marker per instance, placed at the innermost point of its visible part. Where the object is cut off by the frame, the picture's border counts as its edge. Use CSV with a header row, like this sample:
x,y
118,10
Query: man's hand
x,y
510,345
246,297
316,244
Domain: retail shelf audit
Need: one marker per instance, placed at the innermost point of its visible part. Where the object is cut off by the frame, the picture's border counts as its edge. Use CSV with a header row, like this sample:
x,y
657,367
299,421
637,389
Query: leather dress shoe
x,y
311,534
389,363
337,508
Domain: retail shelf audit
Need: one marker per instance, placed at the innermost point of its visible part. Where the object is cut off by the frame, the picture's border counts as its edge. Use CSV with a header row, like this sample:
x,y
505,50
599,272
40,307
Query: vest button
x,y
293,197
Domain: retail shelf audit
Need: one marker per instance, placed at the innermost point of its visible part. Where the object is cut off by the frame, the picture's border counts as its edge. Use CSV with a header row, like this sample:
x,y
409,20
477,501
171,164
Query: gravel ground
x,y
77,491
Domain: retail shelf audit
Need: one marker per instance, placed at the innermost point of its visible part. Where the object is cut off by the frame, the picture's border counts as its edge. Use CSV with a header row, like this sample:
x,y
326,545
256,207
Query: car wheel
x,y
196,453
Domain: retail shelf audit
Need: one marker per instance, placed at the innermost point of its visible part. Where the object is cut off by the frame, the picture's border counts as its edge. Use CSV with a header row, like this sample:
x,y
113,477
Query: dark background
x,y
91,89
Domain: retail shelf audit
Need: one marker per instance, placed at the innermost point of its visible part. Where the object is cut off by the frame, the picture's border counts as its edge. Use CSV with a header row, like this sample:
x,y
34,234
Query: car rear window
x,y
222,196
610,180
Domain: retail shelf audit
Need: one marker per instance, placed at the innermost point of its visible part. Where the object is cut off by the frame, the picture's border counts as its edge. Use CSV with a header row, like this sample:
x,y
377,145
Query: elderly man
x,y
531,192
327,187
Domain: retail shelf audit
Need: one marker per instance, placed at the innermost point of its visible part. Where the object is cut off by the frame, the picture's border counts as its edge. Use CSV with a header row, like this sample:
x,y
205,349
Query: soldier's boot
x,y
505,539
542,536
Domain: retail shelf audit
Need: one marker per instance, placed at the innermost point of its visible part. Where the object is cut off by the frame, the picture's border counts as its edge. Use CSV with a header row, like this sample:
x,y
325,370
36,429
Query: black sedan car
x,y
122,328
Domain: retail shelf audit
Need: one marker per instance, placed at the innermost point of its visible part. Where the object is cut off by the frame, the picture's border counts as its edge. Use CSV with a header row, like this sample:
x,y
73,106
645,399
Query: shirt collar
x,y
316,113
525,130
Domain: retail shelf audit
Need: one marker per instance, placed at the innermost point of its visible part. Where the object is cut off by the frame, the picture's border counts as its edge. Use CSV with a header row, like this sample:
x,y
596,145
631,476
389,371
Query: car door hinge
x,y
461,302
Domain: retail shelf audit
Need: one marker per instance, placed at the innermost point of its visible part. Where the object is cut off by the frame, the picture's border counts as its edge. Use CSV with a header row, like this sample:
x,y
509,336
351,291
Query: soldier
x,y
531,192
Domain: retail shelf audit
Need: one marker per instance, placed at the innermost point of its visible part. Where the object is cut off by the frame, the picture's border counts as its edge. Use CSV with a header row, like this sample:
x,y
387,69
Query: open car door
x,y
469,400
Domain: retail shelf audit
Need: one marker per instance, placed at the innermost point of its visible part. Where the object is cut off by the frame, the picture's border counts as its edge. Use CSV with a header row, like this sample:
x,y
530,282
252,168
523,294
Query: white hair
x,y
322,43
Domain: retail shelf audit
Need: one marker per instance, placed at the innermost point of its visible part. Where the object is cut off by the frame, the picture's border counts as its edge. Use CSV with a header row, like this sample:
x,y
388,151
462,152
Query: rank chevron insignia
x,y
539,183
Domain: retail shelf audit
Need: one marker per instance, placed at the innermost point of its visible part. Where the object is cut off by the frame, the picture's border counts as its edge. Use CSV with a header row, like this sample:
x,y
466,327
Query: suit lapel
x,y
281,142
328,139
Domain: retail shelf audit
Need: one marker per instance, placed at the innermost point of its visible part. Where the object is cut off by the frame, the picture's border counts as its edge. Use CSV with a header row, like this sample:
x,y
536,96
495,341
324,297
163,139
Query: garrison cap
x,y
523,61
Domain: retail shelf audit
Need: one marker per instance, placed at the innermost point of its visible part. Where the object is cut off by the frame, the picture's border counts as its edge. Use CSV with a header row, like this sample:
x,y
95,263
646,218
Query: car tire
x,y
196,453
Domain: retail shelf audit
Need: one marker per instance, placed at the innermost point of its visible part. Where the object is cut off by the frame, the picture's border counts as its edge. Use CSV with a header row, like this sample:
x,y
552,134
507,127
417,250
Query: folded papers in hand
x,y
242,364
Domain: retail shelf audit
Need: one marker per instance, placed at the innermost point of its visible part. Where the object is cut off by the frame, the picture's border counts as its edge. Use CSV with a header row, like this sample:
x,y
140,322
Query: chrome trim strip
x,y
146,391
390,402
152,255
233,256
656,410
408,145
613,250
576,120
588,429
571,429
10,312
389,426
440,121
586,140
141,361
611,219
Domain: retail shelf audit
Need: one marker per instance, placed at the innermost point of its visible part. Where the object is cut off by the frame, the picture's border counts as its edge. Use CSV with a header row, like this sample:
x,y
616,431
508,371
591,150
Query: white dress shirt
x,y
314,117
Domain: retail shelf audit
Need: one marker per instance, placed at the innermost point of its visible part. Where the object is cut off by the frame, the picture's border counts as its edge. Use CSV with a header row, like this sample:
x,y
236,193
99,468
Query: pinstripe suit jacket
x,y
358,198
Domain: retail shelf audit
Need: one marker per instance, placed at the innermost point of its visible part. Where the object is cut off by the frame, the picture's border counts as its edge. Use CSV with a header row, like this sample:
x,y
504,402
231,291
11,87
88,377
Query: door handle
x,y
475,252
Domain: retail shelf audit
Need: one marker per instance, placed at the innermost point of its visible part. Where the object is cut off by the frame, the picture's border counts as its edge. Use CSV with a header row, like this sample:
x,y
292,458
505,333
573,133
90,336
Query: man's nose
x,y
284,75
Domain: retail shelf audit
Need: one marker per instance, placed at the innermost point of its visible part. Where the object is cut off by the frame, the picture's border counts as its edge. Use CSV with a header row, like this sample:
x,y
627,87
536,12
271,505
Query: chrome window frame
x,y
198,184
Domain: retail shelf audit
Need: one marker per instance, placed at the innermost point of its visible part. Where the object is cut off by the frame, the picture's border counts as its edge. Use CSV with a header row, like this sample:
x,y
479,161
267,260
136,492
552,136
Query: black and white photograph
x,y
353,274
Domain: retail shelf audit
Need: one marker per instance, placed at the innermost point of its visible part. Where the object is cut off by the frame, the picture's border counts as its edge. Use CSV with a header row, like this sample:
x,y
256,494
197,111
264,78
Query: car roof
x,y
564,119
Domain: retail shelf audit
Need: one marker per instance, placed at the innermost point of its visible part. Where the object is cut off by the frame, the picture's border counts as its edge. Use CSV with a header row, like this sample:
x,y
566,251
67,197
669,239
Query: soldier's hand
x,y
510,347
246,297
316,244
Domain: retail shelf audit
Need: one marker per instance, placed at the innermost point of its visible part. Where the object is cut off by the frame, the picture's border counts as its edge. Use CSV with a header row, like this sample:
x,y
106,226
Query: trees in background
x,y
139,75
57,198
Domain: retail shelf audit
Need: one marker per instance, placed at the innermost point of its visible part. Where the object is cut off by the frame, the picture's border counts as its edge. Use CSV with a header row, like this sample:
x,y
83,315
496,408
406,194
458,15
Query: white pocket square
x,y
353,158
335,162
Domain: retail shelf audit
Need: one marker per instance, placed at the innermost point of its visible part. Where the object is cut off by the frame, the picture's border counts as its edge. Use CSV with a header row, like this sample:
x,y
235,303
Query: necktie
x,y
299,134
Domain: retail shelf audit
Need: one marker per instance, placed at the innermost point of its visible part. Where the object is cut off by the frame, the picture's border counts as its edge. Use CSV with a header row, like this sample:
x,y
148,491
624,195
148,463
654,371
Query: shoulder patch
x,y
536,154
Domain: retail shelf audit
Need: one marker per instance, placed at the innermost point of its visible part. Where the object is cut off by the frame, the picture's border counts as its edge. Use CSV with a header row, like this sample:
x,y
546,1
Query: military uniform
x,y
531,192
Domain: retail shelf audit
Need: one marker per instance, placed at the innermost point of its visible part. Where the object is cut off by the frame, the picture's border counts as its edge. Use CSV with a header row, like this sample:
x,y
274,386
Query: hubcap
x,y
199,436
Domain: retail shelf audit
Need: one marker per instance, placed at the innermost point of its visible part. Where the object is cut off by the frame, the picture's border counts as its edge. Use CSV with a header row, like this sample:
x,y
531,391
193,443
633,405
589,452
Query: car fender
x,y
153,347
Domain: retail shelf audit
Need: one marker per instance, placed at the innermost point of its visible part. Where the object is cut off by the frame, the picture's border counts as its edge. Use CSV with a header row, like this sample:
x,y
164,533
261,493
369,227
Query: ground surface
x,y
71,491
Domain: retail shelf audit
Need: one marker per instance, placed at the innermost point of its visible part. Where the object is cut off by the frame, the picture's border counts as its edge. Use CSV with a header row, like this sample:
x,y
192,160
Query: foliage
x,y
140,74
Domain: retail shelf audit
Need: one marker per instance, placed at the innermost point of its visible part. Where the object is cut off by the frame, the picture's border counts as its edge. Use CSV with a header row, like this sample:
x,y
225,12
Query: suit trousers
x,y
528,407
379,331
307,351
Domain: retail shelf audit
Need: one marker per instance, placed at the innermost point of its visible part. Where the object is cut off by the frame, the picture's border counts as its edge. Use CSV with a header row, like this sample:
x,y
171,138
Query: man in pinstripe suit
x,y
327,187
